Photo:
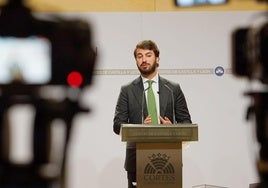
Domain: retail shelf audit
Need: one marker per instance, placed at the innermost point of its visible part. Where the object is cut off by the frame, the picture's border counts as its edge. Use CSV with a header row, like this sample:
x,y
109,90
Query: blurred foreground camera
x,y
39,57
250,52
250,60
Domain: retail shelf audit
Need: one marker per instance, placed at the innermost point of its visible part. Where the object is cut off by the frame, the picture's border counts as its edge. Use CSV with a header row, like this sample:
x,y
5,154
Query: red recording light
x,y
74,79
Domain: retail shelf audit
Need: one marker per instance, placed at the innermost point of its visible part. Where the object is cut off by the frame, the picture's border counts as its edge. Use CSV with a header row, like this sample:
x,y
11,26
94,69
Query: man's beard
x,y
148,71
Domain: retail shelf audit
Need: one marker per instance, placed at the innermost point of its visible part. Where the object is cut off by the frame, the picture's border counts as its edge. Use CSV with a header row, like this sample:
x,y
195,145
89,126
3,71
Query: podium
x,y
159,152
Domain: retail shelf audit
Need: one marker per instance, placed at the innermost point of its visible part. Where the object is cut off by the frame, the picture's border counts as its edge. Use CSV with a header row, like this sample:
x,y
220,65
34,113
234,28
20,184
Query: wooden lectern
x,y
159,152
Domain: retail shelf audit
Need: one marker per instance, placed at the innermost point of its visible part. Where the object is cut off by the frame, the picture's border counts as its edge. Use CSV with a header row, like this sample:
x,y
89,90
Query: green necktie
x,y
151,103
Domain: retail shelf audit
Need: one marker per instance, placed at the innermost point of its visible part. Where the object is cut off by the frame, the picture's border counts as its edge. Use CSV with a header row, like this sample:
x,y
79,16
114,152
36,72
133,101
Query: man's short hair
x,y
148,45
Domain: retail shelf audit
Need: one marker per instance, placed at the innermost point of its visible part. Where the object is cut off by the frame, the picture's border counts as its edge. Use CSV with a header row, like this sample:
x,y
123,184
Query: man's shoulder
x,y
132,83
167,82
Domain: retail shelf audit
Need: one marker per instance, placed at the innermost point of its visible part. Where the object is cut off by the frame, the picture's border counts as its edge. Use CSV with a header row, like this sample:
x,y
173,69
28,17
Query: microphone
x,y
142,104
173,103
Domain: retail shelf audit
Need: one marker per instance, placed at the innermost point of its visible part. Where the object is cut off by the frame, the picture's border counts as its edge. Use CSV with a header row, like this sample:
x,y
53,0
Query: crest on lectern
x,y
159,169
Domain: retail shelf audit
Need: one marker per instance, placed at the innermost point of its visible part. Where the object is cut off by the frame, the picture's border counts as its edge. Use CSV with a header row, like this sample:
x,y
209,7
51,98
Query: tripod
x,y
259,109
40,172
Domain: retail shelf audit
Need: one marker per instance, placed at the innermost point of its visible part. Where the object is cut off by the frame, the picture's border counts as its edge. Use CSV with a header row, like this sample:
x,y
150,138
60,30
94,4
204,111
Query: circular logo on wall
x,y
219,71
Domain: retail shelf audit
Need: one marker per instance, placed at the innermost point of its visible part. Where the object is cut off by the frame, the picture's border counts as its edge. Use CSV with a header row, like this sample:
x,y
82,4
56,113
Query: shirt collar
x,y
155,79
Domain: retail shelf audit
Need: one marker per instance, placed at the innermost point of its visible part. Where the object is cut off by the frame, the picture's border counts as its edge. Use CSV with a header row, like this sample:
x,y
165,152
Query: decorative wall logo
x,y
219,71
159,170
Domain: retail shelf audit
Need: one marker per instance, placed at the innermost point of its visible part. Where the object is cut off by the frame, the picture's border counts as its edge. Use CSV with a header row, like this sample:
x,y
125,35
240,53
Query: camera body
x,y
250,52
59,50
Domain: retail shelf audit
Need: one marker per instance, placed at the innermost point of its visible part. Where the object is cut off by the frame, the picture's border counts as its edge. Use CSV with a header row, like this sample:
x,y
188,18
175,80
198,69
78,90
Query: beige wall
x,y
133,5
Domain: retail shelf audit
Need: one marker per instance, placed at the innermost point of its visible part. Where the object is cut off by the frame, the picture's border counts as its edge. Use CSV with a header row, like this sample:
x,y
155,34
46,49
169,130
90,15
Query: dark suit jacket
x,y
129,106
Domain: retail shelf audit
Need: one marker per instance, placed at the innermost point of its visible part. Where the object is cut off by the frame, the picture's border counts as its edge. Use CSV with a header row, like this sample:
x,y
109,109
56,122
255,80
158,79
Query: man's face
x,y
146,61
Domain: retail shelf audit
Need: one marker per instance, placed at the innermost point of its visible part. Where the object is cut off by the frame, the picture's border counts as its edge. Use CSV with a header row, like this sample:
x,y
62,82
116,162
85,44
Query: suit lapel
x,y
138,94
163,96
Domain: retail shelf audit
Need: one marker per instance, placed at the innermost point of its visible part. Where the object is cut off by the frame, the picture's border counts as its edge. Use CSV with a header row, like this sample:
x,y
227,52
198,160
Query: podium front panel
x,y
159,165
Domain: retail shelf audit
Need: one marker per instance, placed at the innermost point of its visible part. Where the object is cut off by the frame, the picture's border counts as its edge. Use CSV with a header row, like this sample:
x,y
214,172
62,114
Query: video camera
x,y
250,60
36,57
37,52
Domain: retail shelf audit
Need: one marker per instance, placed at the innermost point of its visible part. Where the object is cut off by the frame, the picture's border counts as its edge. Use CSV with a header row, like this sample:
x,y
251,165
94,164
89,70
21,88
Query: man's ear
x,y
157,60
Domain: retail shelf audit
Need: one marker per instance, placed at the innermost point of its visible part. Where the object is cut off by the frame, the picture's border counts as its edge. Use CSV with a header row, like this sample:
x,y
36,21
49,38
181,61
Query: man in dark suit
x,y
131,106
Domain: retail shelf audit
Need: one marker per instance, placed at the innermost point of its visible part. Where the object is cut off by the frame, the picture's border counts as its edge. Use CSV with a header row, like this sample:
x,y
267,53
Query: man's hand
x,y
147,120
165,120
